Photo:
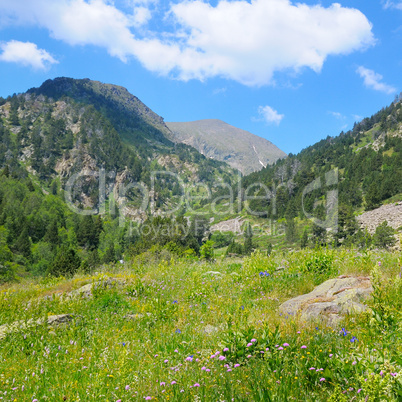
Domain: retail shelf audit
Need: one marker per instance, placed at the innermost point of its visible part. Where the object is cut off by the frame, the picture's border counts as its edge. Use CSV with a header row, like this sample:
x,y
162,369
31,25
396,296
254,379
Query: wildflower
x,y
253,340
280,348
322,379
119,400
178,331
249,357
189,359
354,363
196,384
207,370
165,361
249,344
203,368
127,387
393,374
286,344
176,351
226,350
174,302
148,398
311,368
162,384
381,373
359,390
173,382
156,355
237,365
124,343
304,347
229,369
330,355
354,339
222,358
344,332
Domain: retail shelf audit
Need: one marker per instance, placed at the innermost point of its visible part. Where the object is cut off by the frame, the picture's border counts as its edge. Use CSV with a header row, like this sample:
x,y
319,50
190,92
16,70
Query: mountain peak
x,y
219,140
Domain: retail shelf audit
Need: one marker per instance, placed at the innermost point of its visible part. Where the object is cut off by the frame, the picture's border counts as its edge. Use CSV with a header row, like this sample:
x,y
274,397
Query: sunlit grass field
x,y
186,330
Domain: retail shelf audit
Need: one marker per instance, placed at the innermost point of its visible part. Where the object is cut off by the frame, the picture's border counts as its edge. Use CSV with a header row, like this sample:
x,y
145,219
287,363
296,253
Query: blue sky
x,y
290,72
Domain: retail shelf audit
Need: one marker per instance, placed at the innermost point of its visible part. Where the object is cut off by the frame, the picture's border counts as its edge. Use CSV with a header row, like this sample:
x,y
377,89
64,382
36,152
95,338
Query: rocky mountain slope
x,y
68,126
218,140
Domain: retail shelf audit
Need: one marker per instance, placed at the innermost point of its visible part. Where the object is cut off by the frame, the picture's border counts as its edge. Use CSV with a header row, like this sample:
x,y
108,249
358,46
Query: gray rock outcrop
x,y
331,300
87,290
21,325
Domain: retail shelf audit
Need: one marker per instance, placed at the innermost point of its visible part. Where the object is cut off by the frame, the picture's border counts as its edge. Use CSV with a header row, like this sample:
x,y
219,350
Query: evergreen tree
x,y
234,248
93,259
52,234
304,239
66,262
290,230
207,250
248,240
319,235
110,255
23,243
373,196
13,117
269,248
384,236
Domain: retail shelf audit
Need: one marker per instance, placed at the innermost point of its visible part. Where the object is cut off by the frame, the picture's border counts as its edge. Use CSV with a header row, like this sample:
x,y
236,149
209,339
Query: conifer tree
x,y
23,243
248,240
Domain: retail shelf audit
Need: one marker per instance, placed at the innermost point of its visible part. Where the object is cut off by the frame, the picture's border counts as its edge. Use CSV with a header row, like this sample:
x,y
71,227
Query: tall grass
x,y
189,330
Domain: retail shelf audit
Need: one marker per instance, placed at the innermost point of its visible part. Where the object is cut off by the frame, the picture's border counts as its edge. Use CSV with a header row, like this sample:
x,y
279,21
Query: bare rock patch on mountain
x,y
218,140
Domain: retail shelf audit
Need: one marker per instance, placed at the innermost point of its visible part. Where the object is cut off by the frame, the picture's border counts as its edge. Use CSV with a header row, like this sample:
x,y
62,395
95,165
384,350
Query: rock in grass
x,y
87,290
17,326
213,273
331,299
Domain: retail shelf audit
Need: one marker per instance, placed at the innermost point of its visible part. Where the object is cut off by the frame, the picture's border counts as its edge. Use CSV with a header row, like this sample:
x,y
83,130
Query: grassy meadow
x,y
189,330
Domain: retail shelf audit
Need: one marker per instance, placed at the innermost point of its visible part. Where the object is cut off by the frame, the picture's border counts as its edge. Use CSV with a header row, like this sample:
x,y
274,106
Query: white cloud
x,y
392,4
27,54
270,115
142,15
218,91
244,41
337,115
373,80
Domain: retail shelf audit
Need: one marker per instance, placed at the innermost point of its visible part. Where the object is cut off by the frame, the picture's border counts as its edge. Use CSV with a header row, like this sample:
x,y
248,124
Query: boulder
x,y
51,320
87,290
331,299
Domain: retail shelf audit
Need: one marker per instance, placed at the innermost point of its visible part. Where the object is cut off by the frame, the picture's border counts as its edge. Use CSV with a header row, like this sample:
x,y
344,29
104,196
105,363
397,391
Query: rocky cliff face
x,y
218,140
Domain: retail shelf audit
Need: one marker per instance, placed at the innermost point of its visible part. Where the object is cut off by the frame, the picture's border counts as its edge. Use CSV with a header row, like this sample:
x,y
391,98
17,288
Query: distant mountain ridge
x,y
218,140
